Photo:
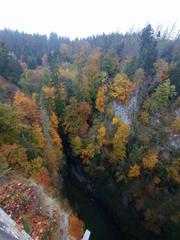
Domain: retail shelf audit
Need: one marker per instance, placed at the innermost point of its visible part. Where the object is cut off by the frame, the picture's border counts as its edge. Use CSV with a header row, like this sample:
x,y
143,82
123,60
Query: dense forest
x,y
107,106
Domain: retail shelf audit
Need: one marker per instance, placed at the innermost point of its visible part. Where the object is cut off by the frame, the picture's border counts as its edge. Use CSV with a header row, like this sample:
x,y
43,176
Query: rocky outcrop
x,y
126,111
174,137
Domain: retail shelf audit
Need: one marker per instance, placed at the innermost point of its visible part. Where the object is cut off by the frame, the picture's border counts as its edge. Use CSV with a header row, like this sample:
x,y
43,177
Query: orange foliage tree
x,y
54,120
28,108
76,229
56,138
162,70
42,177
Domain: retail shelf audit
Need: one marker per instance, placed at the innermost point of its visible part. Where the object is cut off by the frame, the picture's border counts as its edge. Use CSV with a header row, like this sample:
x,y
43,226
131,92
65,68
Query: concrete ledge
x,y
8,230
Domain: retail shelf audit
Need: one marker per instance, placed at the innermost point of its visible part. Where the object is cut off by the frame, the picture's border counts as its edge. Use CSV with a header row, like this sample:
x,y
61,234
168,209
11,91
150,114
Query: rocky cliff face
x,y
174,137
126,111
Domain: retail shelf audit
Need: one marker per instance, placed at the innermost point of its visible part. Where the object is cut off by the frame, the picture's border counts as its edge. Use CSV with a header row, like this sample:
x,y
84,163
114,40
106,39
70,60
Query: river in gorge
x,y
94,216
99,205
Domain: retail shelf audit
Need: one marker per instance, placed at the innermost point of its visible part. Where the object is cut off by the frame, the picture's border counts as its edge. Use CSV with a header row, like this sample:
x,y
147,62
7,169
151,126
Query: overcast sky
x,y
79,18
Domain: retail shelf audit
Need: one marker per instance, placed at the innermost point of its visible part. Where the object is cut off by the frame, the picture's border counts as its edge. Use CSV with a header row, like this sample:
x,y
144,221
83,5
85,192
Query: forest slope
x,y
116,99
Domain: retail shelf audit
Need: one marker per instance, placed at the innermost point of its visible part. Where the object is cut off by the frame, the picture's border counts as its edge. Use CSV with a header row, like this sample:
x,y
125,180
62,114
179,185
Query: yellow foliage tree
x,y
175,126
16,158
64,50
34,97
36,165
174,171
156,180
87,154
67,72
49,92
115,121
54,120
53,130
122,88
38,137
76,145
120,175
62,93
134,171
49,96
150,160
52,160
72,120
119,143
94,61
144,117
101,136
100,100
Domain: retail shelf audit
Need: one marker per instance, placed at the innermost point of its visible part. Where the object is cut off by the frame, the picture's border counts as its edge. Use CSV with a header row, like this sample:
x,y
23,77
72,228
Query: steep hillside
x,y
106,110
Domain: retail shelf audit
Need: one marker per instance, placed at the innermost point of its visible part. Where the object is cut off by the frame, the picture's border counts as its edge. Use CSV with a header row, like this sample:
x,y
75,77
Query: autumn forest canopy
x,y
109,106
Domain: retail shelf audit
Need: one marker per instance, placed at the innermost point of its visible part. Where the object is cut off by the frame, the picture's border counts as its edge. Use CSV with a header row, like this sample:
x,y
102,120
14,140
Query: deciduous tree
x,y
150,160
100,100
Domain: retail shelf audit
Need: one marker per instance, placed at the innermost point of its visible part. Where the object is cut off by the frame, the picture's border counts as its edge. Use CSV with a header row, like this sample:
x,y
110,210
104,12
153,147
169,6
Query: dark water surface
x,y
91,213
